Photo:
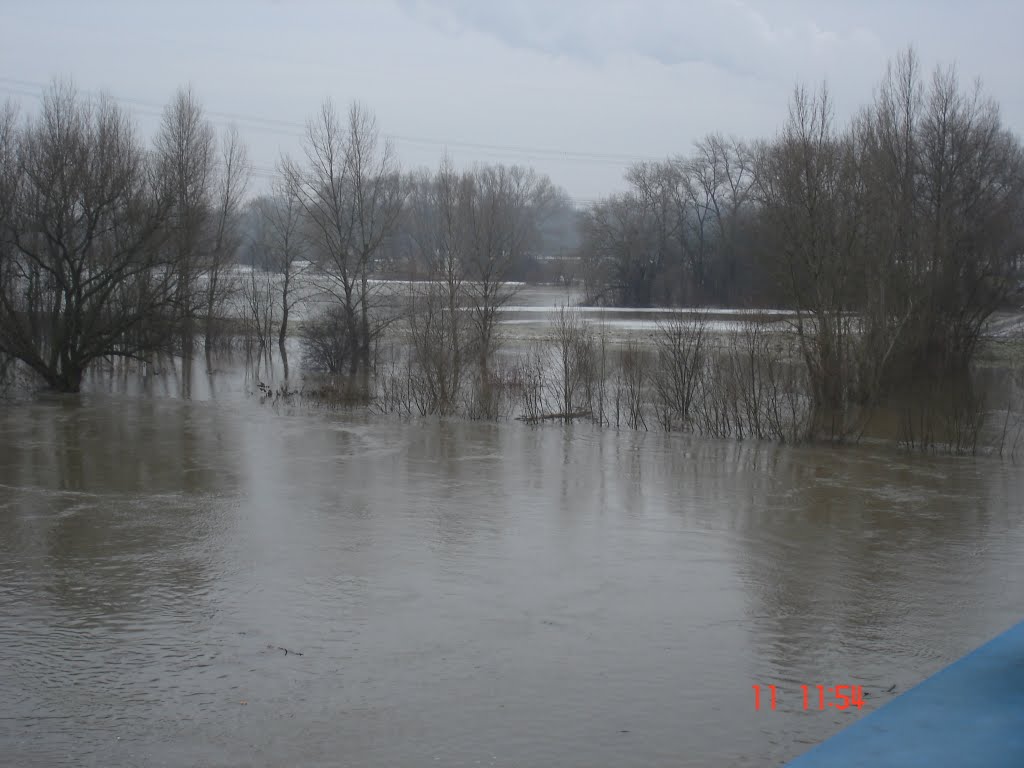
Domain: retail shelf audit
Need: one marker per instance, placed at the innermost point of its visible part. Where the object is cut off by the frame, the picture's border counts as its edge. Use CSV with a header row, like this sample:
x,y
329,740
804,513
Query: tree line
x,y
892,238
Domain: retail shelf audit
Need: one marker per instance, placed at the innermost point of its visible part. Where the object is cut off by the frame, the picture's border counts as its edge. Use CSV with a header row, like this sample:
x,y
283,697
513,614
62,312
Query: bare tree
x,y
575,364
681,350
680,234
9,138
9,178
82,272
632,379
351,194
376,204
970,200
283,247
230,186
620,244
258,293
719,187
186,146
207,181
502,208
658,189
811,194
438,319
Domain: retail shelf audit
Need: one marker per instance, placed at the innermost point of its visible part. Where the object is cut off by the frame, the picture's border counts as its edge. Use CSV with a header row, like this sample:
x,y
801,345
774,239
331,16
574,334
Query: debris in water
x,y
286,651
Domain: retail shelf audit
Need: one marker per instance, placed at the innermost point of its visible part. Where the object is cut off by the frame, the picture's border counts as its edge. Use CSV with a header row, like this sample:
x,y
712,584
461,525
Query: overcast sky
x,y
576,88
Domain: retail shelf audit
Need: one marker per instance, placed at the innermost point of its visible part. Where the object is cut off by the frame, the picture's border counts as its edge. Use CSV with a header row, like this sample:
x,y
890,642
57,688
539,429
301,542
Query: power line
x,y
35,90
297,130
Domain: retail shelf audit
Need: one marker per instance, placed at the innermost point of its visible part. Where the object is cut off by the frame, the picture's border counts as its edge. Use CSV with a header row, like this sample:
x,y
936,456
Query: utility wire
x,y
30,89
297,130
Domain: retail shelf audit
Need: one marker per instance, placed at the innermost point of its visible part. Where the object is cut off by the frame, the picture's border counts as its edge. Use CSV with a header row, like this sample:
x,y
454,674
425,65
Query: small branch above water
x,y
555,417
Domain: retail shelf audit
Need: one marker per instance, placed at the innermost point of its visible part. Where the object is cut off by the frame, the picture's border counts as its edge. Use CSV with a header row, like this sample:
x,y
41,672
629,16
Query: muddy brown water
x,y
219,582
465,594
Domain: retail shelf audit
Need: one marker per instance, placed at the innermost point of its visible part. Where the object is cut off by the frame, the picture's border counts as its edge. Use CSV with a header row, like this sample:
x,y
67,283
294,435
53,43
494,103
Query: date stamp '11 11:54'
x,y
819,697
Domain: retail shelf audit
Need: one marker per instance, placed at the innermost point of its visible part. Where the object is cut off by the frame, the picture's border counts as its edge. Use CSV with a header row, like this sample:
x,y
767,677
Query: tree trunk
x,y
284,355
68,379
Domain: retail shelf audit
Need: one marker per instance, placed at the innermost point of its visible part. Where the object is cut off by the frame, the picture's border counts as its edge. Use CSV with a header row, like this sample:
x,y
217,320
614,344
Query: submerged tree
x,y
83,274
186,151
896,238
231,183
437,313
944,162
502,208
280,248
205,180
812,207
351,195
469,233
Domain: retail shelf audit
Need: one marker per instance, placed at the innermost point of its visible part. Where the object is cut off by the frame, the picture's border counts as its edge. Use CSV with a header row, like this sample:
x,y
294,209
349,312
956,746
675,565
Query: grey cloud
x,y
731,35
619,78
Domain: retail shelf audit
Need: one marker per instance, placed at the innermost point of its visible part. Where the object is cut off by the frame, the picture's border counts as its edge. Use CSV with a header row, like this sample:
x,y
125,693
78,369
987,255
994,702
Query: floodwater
x,y
220,582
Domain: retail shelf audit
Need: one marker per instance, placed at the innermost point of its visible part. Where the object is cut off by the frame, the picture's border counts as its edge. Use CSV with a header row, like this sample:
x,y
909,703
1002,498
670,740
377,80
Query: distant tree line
x,y
683,235
928,167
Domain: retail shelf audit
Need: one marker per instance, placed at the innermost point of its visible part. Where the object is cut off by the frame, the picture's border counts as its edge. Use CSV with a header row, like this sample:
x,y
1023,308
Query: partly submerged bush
x,y
328,344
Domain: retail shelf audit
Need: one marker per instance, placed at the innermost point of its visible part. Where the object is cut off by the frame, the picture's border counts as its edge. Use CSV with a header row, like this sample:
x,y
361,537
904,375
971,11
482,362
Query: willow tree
x,y
83,275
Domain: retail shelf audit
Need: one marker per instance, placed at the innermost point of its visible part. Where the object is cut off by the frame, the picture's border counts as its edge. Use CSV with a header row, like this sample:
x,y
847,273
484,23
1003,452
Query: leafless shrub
x,y
574,374
1013,419
493,394
748,389
631,387
398,391
716,408
440,344
336,390
528,376
259,312
964,422
599,389
1010,433
327,341
758,375
947,417
681,347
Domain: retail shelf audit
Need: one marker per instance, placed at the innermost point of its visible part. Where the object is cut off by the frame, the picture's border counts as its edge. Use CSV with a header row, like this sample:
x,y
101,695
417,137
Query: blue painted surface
x,y
969,715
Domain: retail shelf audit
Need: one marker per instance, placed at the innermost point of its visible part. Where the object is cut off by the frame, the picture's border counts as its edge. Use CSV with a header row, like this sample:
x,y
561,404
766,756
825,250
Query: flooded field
x,y
214,581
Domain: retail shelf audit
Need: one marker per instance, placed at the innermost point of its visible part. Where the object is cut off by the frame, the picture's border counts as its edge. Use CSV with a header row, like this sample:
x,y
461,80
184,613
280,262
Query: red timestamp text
x,y
816,697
